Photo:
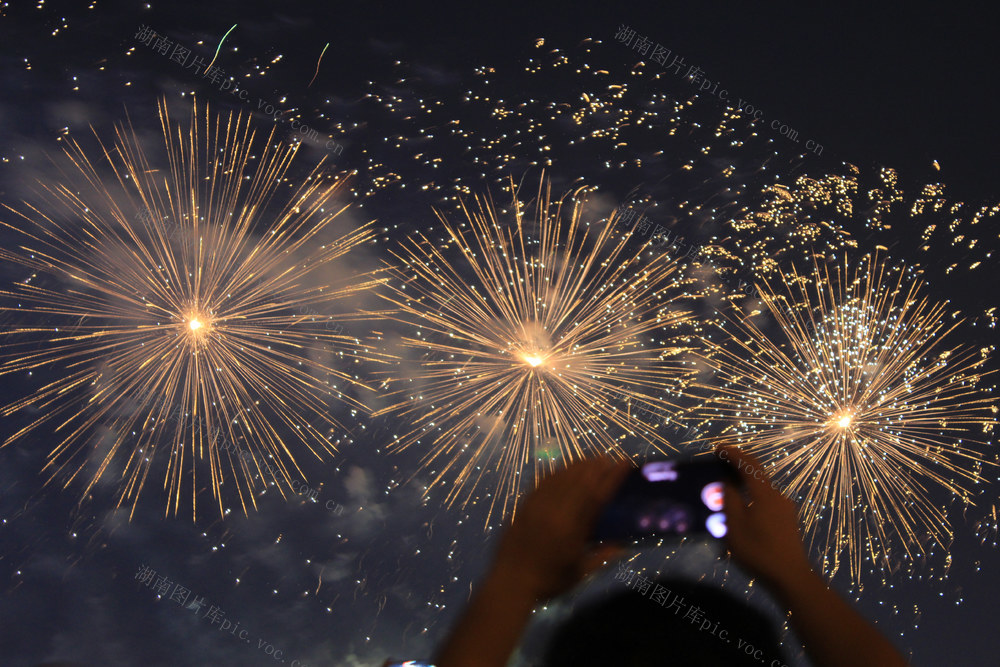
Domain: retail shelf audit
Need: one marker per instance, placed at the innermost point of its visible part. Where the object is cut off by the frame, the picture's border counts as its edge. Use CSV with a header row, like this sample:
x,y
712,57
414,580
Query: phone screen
x,y
668,498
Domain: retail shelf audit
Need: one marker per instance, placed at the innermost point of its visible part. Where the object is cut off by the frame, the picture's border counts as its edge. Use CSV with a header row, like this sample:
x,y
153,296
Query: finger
x,y
729,454
565,482
752,472
579,482
604,489
612,476
760,489
590,487
569,473
586,503
566,494
747,458
735,457
736,512
611,479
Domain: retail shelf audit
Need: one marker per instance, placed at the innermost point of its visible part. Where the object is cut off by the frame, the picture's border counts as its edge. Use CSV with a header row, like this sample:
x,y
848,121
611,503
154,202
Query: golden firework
x,y
855,395
536,338
184,305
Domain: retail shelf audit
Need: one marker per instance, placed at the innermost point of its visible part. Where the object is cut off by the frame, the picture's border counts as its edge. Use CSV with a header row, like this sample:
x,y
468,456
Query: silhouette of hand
x,y
547,546
762,533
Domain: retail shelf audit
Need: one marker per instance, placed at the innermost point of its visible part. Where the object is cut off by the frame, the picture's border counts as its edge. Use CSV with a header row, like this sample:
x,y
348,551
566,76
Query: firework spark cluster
x,y
201,287
175,304
534,335
852,388
540,336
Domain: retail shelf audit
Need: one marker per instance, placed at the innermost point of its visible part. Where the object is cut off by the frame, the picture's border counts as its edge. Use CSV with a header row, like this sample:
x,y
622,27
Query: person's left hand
x,y
547,546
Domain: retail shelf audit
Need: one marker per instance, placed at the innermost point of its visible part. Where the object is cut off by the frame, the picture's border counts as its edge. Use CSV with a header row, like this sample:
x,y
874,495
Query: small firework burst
x,y
988,527
182,306
855,396
539,340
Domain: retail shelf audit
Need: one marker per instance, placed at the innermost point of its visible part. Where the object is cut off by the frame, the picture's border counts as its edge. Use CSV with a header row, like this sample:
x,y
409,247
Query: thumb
x,y
736,512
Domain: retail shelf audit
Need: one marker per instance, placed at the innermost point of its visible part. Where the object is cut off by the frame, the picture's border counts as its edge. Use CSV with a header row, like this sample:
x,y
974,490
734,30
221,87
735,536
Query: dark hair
x,y
630,629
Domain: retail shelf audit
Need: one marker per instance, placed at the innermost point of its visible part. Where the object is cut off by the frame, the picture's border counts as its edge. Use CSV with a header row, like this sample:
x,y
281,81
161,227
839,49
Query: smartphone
x,y
666,499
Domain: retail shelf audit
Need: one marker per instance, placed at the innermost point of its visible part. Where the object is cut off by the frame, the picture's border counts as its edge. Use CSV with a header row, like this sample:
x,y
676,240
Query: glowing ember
x,y
533,360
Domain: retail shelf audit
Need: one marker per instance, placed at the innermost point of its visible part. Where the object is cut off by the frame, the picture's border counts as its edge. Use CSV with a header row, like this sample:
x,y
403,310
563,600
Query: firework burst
x,y
987,528
537,340
862,412
185,310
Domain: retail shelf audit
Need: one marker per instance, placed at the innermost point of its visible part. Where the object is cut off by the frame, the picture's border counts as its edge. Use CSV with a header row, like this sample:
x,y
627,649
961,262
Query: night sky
x,y
430,105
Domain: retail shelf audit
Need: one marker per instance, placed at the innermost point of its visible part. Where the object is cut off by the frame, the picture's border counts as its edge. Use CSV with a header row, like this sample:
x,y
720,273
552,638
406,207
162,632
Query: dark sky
x,y
875,88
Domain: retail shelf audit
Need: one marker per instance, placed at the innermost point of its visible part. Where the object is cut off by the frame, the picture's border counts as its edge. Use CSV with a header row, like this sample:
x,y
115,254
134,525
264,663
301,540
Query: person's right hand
x,y
762,534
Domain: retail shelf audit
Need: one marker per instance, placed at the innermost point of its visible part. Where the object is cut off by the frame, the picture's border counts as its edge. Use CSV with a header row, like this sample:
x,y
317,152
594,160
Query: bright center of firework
x,y
843,420
533,360
199,324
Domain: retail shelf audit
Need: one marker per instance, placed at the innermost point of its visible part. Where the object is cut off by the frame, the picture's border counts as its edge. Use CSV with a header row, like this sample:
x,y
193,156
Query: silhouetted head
x,y
693,624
